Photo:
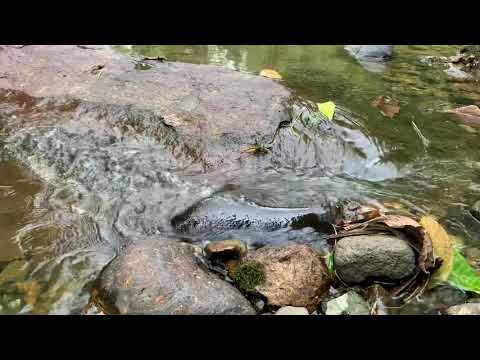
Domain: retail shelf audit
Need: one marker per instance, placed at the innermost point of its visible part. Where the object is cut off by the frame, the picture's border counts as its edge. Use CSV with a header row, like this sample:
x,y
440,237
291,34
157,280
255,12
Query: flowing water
x,y
420,160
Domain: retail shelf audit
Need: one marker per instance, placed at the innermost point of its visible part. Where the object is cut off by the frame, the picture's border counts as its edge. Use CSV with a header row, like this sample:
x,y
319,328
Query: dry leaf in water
x,y
269,73
388,107
418,238
398,221
467,114
442,246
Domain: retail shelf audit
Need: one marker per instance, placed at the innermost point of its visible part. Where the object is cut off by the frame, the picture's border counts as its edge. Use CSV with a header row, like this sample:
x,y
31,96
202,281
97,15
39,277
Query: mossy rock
x,y
250,275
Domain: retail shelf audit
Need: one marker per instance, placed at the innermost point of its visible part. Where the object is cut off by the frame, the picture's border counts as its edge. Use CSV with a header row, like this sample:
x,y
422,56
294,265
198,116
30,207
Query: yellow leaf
x,y
272,74
394,205
327,109
442,246
456,240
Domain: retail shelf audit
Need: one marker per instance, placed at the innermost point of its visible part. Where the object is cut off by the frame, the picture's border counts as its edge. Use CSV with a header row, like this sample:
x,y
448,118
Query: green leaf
x,y
327,109
463,275
329,262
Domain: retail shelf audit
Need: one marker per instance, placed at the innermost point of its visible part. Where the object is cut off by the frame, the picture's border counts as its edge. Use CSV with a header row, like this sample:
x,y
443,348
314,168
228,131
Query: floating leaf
x,y
463,275
388,107
442,246
467,114
327,109
269,73
348,304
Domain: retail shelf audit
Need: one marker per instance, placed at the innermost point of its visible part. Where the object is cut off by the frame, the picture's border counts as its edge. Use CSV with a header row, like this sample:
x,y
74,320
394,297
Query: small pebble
x,y
259,305
292,310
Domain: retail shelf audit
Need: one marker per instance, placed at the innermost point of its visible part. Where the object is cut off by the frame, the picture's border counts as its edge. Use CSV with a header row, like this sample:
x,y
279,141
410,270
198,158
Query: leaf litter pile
x,y
439,259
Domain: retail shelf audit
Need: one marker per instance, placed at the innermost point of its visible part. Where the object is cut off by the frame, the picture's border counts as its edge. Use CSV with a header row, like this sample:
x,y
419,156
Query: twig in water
x,y
363,224
425,141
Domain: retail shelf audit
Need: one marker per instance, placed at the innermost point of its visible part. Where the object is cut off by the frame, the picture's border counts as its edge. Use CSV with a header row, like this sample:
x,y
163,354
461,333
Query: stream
x,y
420,161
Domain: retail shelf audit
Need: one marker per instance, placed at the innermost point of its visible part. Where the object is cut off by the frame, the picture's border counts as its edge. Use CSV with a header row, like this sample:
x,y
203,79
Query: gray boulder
x,y
368,257
158,276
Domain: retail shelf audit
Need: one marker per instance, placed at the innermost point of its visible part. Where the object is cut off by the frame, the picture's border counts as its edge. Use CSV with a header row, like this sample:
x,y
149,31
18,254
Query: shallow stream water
x,y
421,161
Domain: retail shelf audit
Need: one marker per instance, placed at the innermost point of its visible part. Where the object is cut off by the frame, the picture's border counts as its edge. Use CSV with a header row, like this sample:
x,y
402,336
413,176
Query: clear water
x,y
436,161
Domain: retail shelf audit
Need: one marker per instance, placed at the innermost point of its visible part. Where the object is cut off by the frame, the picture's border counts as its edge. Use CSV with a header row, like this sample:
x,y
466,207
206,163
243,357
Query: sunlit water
x,y
422,160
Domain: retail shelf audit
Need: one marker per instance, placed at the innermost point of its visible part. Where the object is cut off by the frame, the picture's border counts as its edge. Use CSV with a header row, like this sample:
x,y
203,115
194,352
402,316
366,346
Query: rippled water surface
x,y
421,160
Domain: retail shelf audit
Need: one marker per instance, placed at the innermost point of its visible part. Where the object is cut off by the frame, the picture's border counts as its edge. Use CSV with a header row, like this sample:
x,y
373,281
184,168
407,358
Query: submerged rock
x,y
464,309
220,214
326,147
469,115
456,73
368,257
371,57
158,276
295,275
292,310
434,60
475,210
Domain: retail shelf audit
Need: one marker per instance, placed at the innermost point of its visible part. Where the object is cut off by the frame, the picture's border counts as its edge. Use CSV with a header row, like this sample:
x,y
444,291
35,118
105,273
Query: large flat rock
x,y
215,107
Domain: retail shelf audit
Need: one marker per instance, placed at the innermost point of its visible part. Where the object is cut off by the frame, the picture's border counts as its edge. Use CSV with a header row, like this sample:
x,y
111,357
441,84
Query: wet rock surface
x,y
294,275
330,147
159,276
367,257
475,210
230,248
464,309
220,214
211,106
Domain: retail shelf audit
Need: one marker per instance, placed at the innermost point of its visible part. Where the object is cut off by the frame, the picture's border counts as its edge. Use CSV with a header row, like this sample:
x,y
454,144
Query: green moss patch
x,y
249,275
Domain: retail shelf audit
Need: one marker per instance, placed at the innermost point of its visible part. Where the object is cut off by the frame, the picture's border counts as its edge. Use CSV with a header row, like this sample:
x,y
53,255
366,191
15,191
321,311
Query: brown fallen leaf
x,y
419,238
388,106
467,114
353,214
442,246
272,74
398,221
